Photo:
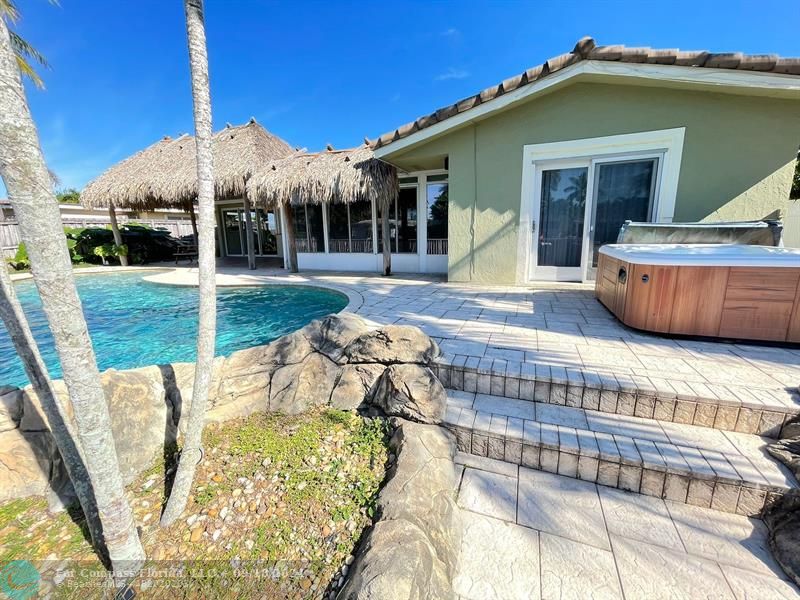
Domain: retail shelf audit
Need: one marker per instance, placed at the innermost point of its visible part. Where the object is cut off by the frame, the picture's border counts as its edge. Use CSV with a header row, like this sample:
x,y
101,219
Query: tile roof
x,y
586,49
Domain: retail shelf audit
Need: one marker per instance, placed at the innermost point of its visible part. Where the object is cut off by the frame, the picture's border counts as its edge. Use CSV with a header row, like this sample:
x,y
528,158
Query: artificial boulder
x,y
392,344
396,562
27,460
356,383
411,392
331,335
787,450
178,382
420,488
141,417
412,550
10,407
783,521
297,388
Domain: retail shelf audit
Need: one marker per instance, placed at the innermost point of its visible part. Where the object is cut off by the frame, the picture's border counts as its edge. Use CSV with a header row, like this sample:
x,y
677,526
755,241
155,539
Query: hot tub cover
x,y
704,255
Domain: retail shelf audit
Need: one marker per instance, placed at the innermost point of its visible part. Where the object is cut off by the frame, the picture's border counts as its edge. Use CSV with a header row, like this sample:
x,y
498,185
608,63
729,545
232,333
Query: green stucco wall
x,y
737,160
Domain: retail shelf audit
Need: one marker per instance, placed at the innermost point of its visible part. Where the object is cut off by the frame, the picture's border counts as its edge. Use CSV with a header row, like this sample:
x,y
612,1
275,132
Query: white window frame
x,y
665,144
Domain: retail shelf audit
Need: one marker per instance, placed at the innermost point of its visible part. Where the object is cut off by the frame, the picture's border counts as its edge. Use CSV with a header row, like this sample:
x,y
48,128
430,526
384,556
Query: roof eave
x,y
721,80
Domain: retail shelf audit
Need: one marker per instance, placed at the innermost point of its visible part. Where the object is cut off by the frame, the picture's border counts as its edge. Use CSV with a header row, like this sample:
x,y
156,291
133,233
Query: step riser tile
x,y
537,451
525,385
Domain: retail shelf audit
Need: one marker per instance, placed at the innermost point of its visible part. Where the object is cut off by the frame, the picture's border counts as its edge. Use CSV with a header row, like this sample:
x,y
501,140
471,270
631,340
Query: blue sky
x,y
329,72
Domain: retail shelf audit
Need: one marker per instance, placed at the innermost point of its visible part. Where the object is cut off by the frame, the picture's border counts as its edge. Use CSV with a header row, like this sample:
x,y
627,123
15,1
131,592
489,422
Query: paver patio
x,y
581,411
558,328
530,534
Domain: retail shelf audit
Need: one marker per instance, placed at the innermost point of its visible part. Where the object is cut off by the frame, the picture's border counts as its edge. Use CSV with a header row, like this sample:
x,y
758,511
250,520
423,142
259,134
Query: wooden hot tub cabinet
x,y
728,300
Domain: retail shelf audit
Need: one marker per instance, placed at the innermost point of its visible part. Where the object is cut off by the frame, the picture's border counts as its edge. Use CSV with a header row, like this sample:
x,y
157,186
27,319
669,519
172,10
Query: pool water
x,y
134,323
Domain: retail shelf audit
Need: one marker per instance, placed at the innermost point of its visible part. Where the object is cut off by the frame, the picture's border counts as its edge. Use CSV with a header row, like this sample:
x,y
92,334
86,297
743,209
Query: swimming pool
x,y
134,323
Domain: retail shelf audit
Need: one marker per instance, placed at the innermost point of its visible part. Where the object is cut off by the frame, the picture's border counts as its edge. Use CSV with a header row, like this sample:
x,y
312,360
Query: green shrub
x,y
20,261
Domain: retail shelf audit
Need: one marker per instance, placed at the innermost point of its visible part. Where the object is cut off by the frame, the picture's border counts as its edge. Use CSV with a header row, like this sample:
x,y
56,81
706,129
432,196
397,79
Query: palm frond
x,y
27,70
9,9
24,49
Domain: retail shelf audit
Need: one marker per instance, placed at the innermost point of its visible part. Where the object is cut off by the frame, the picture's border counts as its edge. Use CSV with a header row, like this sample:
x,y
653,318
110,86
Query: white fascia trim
x,y
724,78
668,142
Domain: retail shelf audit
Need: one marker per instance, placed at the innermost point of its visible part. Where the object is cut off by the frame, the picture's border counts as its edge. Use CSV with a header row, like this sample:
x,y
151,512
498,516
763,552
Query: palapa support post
x,y
112,215
248,227
291,242
193,217
387,248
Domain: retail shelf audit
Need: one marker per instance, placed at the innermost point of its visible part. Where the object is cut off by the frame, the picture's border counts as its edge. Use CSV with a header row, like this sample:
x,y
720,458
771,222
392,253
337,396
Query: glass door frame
x,y
551,273
581,273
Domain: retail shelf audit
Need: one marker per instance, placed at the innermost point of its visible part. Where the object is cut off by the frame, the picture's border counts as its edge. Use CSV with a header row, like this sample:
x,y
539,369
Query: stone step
x,y
722,470
751,410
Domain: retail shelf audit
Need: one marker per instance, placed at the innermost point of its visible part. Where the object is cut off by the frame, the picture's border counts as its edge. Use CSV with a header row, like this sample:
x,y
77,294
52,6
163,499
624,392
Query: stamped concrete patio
x,y
646,482
562,330
530,535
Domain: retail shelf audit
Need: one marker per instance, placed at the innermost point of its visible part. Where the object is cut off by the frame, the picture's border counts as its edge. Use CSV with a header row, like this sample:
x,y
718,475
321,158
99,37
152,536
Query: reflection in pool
x,y
134,323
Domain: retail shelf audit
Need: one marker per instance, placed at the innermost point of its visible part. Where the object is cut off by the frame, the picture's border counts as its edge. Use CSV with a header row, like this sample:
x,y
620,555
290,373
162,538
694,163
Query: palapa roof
x,y
165,174
330,176
587,49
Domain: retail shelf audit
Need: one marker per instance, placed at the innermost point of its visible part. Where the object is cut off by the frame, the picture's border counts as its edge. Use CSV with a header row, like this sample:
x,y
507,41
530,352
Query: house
x,y
544,167
521,182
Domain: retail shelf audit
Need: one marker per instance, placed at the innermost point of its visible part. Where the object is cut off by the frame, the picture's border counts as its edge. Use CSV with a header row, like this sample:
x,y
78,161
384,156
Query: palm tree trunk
x,y
192,450
291,240
248,228
19,331
27,181
112,214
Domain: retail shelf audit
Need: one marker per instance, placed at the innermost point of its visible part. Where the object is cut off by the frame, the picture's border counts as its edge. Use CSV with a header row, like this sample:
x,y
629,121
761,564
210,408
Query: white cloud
x,y
451,32
452,73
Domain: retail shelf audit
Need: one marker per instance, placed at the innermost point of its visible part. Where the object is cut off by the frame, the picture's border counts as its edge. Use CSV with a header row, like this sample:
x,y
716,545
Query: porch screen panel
x,y
300,228
268,230
361,227
624,191
316,229
392,228
338,235
437,201
233,237
407,221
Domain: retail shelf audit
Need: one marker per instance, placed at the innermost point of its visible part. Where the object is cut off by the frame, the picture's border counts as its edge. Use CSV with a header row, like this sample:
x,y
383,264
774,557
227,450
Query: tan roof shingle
x,y
586,49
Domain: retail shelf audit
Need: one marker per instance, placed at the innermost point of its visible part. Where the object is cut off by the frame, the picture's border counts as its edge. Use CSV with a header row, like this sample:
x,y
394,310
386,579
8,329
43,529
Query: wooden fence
x,y
9,230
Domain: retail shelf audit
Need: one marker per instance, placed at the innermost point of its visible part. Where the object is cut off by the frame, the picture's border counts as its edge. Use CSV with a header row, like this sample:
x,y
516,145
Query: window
x,y
437,200
407,220
402,222
350,227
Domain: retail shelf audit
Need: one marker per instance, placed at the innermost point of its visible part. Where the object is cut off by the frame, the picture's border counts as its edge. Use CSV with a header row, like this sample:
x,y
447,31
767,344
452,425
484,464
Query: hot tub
x,y
719,290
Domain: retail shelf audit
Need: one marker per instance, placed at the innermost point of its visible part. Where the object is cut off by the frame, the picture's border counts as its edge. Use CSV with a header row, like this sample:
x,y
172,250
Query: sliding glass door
x,y
579,205
623,191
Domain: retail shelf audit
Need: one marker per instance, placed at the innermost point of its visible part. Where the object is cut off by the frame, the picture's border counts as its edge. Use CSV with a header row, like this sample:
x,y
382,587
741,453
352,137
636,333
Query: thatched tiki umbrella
x,y
164,175
326,177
